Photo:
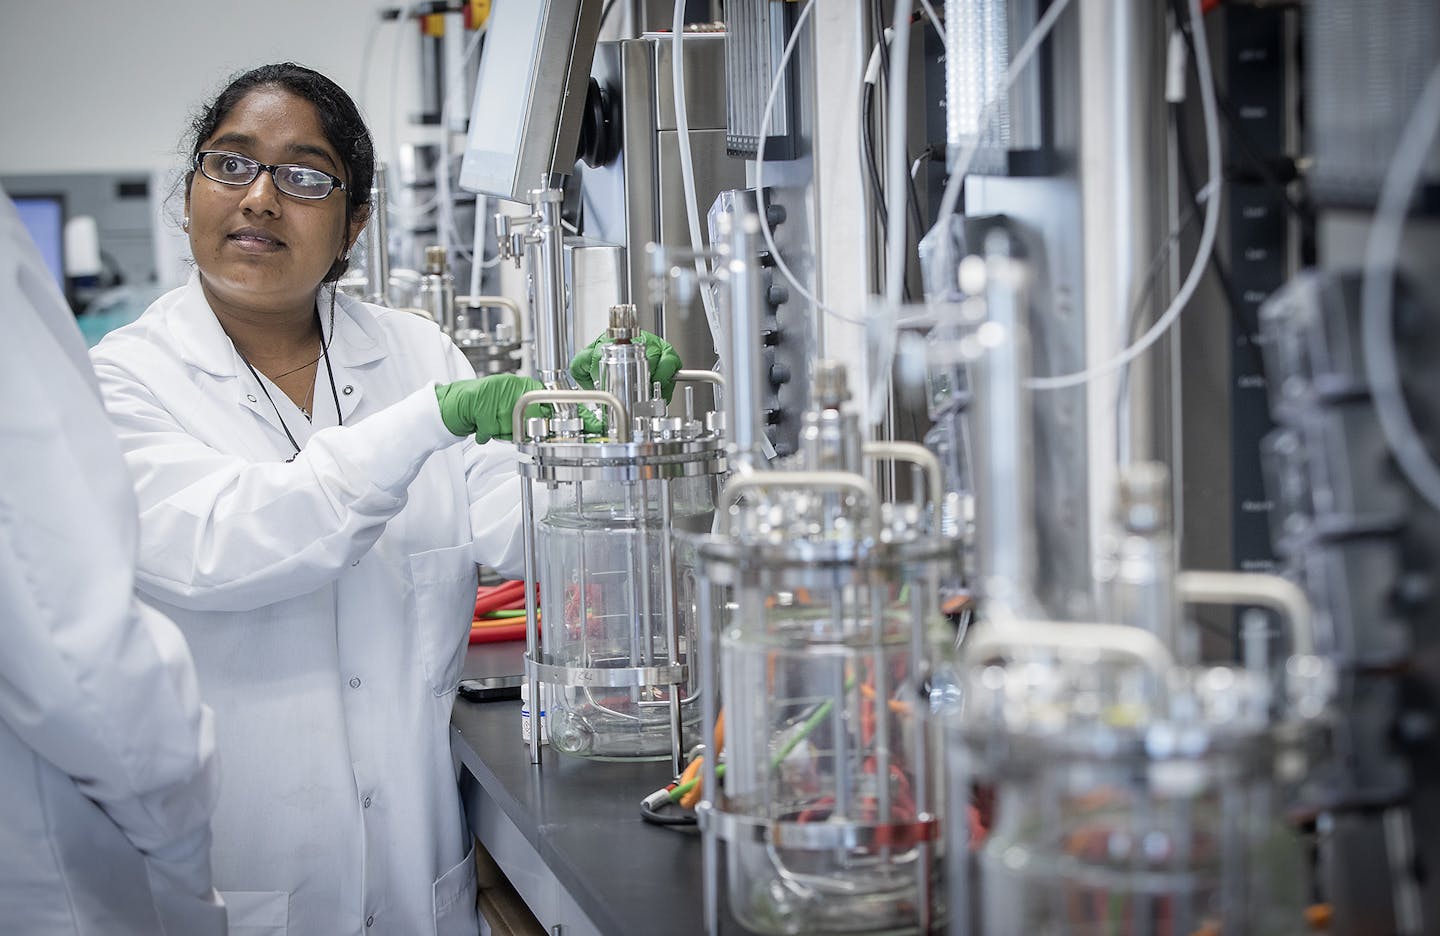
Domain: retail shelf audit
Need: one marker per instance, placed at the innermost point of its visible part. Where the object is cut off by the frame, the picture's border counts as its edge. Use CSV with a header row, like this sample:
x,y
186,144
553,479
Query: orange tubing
x,y
495,633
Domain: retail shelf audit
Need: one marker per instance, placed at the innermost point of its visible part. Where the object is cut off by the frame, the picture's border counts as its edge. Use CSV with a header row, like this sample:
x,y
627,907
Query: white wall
x,y
105,85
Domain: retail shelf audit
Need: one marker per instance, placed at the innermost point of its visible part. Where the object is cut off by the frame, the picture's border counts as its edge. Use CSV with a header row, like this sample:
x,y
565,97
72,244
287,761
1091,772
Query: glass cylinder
x,y
601,551
824,728
1092,848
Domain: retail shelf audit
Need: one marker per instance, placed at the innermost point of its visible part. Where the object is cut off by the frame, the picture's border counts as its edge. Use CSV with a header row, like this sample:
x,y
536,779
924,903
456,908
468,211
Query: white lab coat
x,y
107,769
327,602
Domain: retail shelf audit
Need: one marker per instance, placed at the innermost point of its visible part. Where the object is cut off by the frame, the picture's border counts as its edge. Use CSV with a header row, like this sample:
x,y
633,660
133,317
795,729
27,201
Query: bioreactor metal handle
x,y
620,429
494,302
701,376
1255,588
731,494
989,640
917,455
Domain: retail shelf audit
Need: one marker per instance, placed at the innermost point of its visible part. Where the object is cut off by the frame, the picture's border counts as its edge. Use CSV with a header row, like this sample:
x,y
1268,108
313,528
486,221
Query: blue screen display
x,y
44,217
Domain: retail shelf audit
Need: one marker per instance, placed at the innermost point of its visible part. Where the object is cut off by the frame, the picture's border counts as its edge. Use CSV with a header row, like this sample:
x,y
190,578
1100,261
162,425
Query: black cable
x,y
1222,273
655,817
1238,135
911,194
867,139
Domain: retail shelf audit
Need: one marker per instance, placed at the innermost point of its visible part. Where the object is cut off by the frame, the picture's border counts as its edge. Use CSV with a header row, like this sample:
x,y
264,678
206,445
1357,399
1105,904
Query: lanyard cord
x,y
325,354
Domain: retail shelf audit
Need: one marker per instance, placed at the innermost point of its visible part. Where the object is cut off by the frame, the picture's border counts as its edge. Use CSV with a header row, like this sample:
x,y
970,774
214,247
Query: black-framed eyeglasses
x,y
294,180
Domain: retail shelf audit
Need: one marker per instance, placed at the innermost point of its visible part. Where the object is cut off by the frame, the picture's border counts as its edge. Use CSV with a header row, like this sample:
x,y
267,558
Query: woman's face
x,y
258,248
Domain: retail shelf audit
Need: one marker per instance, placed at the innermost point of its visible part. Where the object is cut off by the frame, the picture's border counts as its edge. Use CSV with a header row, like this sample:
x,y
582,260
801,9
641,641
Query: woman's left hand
x,y
659,354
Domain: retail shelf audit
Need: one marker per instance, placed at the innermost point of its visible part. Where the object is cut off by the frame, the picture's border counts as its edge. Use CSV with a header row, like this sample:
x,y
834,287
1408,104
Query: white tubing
x,y
936,22
780,263
895,153
1377,338
1211,194
687,176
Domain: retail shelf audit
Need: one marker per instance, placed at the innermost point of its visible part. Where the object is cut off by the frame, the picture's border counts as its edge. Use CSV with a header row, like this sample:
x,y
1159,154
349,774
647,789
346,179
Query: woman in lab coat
x,y
107,766
312,525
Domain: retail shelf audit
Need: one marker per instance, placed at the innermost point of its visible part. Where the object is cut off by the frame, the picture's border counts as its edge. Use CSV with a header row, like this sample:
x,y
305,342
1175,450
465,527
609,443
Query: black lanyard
x,y
339,417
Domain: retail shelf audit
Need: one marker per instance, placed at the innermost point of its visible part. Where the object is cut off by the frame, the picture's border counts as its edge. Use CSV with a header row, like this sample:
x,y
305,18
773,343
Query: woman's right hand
x,y
485,406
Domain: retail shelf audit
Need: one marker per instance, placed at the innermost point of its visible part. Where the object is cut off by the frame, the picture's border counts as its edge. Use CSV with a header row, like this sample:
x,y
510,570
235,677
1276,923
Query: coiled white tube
x,y
1377,292
1211,195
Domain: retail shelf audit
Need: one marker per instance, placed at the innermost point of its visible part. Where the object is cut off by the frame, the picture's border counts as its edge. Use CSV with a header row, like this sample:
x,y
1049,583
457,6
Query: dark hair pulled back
x,y
340,121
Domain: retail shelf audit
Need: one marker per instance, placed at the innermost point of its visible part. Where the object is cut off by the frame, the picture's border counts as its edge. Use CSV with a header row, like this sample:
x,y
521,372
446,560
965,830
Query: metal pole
x,y
546,251
672,620
532,616
377,244
1005,553
745,401
709,843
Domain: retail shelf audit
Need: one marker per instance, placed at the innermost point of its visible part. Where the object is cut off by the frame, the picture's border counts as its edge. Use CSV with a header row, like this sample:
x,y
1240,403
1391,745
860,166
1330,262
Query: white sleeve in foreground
x,y
222,533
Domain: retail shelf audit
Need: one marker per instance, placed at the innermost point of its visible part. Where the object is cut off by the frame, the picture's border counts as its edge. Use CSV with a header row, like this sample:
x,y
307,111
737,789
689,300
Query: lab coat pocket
x,y
455,895
257,913
444,582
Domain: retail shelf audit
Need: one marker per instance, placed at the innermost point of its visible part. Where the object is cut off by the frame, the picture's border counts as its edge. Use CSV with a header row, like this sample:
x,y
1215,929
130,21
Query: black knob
x,y
777,294
599,143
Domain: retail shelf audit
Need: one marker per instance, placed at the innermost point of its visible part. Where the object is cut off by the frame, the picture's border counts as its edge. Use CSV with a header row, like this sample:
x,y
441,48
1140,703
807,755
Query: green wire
x,y
517,613
804,732
810,725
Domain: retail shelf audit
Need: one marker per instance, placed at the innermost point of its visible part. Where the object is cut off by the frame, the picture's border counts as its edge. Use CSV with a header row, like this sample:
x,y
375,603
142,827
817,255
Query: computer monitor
x,y
44,217
530,95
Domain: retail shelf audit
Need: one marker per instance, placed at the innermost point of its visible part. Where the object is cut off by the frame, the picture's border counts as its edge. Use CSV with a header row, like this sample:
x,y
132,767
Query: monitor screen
x,y
44,217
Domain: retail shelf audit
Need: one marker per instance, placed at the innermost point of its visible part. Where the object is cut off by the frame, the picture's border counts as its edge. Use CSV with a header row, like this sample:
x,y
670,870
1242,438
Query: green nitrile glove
x,y
485,406
659,354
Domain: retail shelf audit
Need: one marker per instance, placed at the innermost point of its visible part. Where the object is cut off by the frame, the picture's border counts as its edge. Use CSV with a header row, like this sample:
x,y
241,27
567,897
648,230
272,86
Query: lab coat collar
x,y
203,343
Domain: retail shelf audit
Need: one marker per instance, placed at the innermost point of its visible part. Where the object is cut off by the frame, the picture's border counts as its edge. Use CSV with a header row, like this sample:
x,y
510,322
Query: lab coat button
x,y
367,802
251,397
348,390
354,682
369,921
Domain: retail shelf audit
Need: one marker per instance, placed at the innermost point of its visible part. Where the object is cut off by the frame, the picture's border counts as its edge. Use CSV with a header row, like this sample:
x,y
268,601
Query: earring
x,y
185,224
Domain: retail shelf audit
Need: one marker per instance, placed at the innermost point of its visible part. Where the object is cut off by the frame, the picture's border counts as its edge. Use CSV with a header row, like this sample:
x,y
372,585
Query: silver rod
x,y
672,618
545,248
709,796
745,401
582,599
1005,552
920,598
377,244
639,603
838,718
881,701
532,616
